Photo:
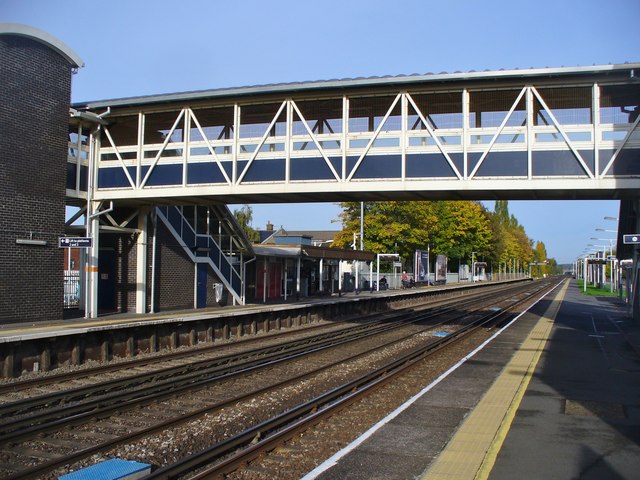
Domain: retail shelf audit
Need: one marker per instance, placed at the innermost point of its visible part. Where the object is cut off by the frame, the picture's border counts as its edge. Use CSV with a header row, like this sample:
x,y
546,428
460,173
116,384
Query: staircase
x,y
225,255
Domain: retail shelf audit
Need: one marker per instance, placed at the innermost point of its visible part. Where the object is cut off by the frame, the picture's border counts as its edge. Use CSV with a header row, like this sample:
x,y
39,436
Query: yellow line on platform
x,y
472,451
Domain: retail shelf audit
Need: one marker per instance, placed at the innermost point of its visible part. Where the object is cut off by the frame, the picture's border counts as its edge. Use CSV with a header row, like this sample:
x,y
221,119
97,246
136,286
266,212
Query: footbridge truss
x,y
177,159
546,133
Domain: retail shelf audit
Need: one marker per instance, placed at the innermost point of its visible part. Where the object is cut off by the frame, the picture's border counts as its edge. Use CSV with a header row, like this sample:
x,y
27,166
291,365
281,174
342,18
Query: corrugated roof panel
x,y
353,83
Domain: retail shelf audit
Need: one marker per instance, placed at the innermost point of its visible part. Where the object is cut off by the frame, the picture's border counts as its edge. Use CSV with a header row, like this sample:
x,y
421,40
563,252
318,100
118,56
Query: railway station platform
x,y
32,347
556,394
77,324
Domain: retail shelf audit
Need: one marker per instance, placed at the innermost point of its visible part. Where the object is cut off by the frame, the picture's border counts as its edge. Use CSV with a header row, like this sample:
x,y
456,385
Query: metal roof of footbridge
x,y
546,133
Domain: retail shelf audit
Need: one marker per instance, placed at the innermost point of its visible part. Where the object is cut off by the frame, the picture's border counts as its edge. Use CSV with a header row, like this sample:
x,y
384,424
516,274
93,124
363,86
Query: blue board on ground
x,y
114,469
440,334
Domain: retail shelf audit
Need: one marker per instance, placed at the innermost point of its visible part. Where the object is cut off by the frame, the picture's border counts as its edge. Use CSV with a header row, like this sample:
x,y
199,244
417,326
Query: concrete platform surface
x,y
556,395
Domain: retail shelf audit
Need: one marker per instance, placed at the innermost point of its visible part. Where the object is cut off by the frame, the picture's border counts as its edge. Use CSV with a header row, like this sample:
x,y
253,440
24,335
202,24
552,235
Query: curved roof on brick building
x,y
44,38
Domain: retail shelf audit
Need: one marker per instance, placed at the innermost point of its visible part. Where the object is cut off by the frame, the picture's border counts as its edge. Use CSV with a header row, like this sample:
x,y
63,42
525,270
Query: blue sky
x,y
141,47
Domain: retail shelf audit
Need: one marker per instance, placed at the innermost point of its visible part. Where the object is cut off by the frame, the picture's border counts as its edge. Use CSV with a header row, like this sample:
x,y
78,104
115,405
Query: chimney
x,y
269,226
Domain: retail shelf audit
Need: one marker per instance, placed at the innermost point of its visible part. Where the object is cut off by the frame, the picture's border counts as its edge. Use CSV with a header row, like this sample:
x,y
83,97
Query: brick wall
x,y
35,90
175,273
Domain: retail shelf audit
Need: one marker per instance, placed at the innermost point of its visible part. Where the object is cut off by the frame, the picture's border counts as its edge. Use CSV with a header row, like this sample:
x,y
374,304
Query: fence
x,y
71,289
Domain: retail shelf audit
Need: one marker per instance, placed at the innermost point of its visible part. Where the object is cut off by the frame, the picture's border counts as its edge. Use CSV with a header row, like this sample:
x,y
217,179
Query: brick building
x,y
35,94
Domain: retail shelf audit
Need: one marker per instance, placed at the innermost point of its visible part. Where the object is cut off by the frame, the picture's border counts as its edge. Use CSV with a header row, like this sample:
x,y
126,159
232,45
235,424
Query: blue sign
x,y
75,242
633,238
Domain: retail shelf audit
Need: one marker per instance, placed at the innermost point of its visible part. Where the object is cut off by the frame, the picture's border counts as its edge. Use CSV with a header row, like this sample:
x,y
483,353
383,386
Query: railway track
x,y
41,426
237,451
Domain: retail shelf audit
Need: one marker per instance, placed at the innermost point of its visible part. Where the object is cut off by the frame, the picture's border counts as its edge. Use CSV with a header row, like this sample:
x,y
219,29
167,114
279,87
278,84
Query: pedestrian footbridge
x,y
177,159
548,133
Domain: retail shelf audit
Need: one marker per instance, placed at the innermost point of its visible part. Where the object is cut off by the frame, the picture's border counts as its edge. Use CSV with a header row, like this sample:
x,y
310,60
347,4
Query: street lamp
x,y
610,240
473,268
595,276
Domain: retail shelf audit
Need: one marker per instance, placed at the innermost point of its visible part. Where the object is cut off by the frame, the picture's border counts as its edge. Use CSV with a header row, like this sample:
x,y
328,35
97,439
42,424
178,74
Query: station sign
x,y
75,242
632,238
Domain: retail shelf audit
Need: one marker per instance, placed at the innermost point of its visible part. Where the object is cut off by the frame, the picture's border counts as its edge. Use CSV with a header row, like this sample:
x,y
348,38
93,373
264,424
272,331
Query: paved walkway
x,y
554,396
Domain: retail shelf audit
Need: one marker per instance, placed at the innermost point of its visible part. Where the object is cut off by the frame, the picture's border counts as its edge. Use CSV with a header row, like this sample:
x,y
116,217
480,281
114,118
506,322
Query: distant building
x,y
302,263
317,238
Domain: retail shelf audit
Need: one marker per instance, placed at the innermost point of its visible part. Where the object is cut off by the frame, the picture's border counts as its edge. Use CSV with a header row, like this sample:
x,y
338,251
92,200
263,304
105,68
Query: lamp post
x,y
610,240
594,273
614,261
473,268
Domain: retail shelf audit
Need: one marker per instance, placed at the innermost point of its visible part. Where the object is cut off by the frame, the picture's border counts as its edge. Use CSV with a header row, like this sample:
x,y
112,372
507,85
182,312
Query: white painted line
x,y
336,457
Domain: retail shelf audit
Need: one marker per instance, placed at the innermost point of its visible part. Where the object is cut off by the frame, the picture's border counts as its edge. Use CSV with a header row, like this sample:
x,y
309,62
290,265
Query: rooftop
x,y
339,84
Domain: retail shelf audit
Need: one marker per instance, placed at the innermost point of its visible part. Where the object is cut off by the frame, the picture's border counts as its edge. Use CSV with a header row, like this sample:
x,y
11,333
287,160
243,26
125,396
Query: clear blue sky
x,y
142,47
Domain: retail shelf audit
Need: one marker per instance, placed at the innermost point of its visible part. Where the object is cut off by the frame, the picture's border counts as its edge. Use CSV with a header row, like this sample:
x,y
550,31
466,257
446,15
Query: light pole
x,y
473,268
593,273
610,240
614,261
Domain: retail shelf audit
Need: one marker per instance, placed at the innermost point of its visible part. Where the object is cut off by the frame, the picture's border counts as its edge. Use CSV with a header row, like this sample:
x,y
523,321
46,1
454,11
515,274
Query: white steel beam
x,y
262,140
530,139
373,138
315,141
140,152
287,150
403,134
435,138
236,143
497,134
161,151
345,133
624,142
563,133
186,150
141,261
122,164
209,146
595,118
465,133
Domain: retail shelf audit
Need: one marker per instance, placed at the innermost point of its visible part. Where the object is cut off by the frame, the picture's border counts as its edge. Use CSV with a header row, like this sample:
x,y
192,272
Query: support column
x,y
141,261
321,285
298,277
92,265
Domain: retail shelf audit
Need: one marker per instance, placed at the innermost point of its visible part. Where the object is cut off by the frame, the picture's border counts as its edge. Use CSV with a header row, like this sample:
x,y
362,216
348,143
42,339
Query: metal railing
x,y
71,289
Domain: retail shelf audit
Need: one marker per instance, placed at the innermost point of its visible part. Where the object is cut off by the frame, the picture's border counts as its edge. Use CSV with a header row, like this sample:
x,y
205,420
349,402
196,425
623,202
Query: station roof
x,y
312,252
362,82
44,38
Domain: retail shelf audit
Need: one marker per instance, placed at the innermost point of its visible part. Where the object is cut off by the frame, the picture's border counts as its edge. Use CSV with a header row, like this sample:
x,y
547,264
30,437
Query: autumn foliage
x,y
453,228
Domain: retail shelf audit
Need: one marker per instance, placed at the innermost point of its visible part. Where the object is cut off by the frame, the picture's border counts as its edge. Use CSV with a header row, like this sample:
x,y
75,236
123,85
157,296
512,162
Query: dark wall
x,y
175,273
35,91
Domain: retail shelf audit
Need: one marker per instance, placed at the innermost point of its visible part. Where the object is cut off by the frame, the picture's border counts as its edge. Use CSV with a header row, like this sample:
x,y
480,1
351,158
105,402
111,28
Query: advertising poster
x,y
422,265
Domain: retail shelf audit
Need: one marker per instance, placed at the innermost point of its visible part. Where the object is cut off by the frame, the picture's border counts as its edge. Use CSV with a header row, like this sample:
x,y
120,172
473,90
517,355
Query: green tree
x,y
453,228
389,227
511,245
464,227
244,216
540,256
